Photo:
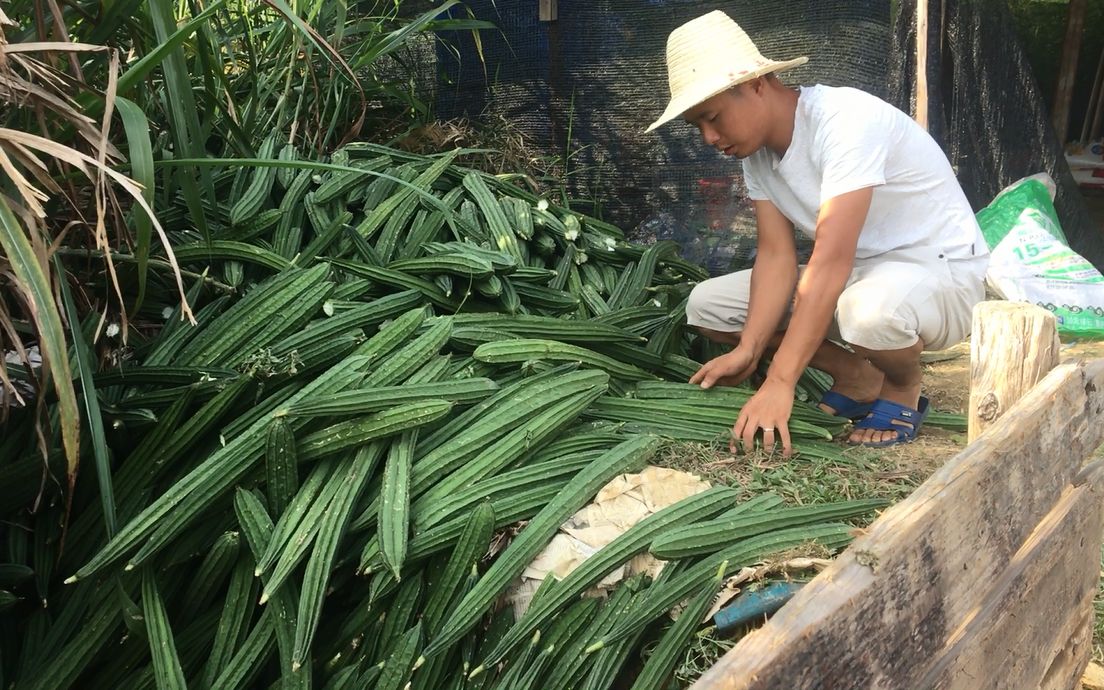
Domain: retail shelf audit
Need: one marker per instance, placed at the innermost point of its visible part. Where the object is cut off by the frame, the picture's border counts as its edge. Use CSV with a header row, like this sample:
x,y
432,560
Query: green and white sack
x,y
1031,260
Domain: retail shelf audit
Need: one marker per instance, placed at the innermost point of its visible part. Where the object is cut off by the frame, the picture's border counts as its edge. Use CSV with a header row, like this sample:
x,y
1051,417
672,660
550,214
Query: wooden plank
x,y
1033,629
1094,131
1094,96
922,63
1067,68
548,11
1074,657
1013,345
880,614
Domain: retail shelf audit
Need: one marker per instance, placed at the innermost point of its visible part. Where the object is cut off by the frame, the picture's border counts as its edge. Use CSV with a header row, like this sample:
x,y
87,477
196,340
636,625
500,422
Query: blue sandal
x,y
884,414
845,406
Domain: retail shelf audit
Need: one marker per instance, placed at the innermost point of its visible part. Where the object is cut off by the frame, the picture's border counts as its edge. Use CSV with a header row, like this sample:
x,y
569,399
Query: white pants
x,y
888,303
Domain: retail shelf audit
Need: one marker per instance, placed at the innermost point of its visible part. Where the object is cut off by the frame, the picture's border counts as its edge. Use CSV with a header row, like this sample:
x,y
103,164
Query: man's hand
x,y
726,370
769,409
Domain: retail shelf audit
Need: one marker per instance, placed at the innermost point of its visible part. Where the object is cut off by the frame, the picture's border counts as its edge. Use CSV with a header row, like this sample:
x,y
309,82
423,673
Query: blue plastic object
x,y
749,606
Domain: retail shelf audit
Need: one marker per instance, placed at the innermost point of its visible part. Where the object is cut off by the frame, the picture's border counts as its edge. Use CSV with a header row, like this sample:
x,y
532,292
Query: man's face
x,y
735,121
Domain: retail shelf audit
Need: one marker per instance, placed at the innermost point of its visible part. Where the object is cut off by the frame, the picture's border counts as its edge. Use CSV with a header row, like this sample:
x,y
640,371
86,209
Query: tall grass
x,y
96,98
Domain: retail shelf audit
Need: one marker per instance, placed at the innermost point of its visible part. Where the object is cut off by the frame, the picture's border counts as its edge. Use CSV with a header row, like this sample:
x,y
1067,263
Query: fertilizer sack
x,y
1031,260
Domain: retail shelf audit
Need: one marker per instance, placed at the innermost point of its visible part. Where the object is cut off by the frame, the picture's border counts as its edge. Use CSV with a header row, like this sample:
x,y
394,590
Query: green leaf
x,y
136,127
85,371
333,57
35,285
328,51
396,39
152,59
8,600
183,114
113,15
166,662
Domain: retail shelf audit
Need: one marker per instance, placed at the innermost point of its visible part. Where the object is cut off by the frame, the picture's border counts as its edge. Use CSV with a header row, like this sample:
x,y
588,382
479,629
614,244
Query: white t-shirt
x,y
845,139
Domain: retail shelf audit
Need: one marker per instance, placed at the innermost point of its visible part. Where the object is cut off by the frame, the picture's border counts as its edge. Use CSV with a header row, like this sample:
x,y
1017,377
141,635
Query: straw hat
x,y
707,55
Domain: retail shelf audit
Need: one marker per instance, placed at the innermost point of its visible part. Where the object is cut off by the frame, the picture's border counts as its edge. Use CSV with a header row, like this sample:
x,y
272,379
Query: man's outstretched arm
x,y
772,284
840,221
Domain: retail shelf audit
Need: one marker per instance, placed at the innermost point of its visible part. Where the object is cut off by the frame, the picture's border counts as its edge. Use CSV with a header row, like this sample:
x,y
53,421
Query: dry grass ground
x,y
891,473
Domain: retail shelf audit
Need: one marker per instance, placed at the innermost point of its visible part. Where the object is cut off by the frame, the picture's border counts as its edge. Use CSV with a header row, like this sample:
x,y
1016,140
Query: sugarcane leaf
x,y
35,283
333,57
155,57
183,114
85,371
140,153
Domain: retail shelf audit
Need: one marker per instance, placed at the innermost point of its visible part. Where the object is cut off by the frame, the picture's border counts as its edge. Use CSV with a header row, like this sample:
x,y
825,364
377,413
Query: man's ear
x,y
743,88
751,87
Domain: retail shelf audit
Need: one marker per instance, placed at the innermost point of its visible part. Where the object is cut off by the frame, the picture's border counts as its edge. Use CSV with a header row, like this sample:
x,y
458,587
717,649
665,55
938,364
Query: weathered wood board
x,y
982,578
1034,627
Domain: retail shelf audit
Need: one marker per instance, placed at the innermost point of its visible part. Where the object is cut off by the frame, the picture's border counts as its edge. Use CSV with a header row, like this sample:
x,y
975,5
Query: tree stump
x,y
1013,346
